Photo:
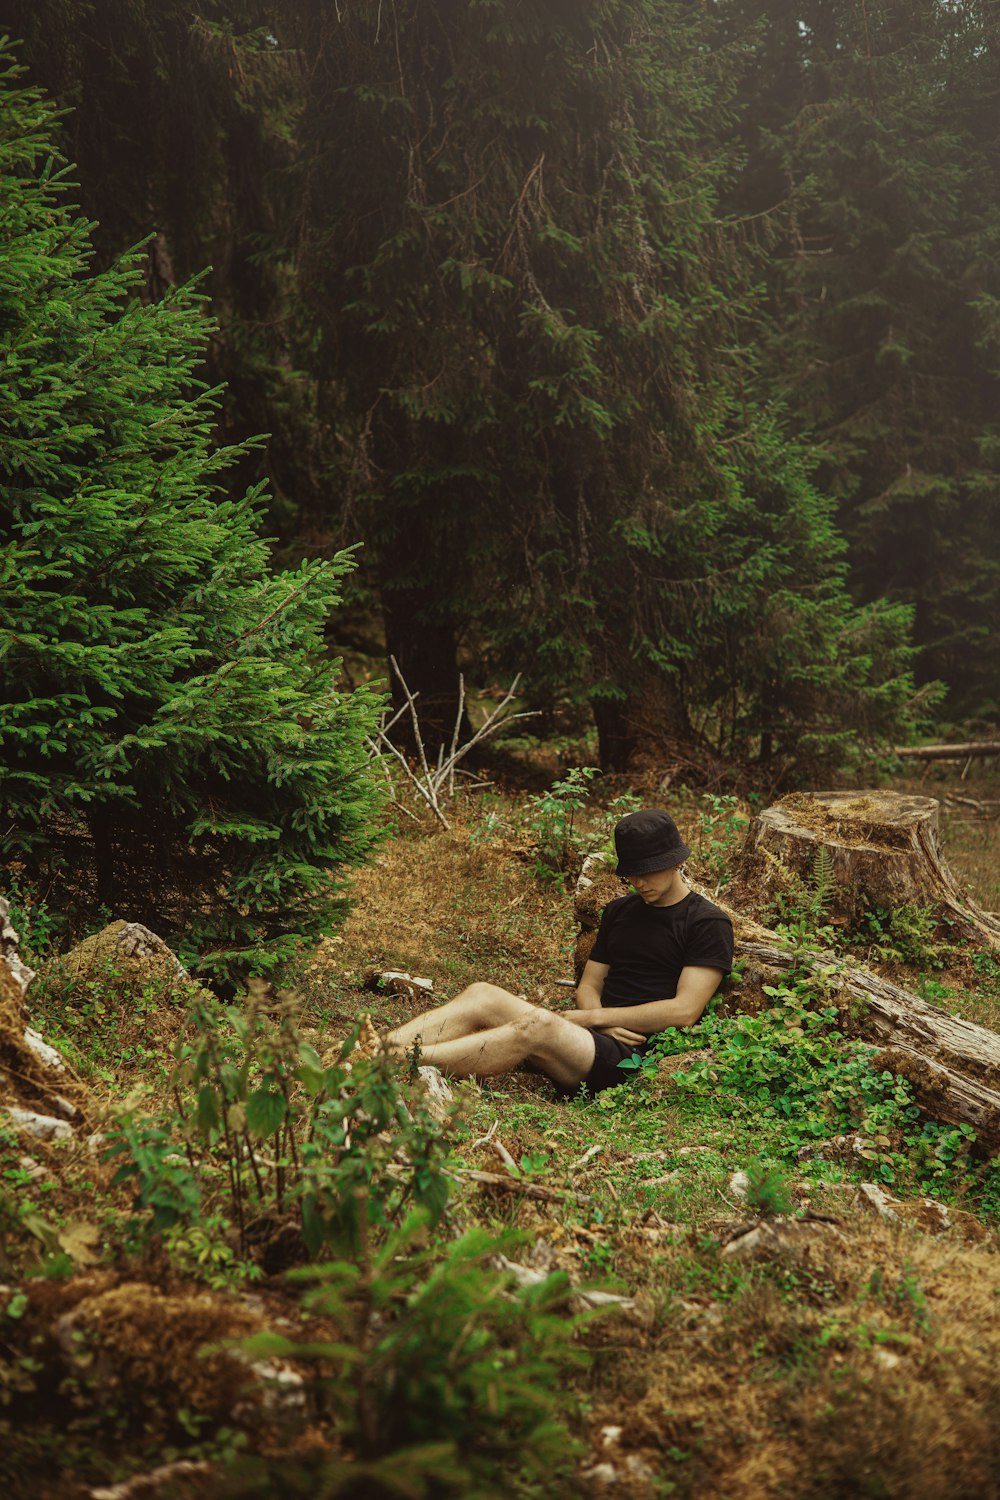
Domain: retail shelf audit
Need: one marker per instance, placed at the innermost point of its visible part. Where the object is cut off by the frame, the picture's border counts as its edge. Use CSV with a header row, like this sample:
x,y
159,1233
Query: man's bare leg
x,y
481,1007
550,1044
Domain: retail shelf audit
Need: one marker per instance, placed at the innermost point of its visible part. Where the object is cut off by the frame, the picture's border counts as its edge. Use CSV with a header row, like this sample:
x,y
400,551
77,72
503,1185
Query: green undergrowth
x,y
249,1154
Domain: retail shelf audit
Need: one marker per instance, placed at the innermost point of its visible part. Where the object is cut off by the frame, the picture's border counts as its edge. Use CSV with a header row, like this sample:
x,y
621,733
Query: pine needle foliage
x,y
535,317
876,125
173,739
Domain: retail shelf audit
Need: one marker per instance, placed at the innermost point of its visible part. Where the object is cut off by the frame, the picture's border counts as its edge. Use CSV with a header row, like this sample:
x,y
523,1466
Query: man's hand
x,y
603,1020
622,1034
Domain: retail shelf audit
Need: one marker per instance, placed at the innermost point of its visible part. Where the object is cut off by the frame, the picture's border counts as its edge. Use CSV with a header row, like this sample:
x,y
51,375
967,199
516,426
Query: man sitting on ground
x,y
659,957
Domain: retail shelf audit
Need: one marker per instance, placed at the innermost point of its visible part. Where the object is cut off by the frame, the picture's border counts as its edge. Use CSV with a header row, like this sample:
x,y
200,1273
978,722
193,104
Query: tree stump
x,y
858,851
598,884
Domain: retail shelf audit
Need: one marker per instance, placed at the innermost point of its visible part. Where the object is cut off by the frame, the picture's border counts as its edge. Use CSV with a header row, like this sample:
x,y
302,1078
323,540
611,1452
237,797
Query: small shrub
x,y
720,828
768,1189
266,1129
553,820
906,934
444,1379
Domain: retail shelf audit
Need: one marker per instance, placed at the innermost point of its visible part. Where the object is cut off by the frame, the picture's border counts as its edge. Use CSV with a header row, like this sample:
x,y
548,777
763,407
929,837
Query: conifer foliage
x,y
173,740
520,288
878,123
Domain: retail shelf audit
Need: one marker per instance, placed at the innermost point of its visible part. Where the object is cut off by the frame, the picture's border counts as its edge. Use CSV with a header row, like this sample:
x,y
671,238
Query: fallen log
x,y
972,751
952,1065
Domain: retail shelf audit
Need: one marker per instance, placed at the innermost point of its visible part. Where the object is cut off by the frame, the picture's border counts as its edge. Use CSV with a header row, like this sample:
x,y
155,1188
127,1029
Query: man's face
x,y
658,887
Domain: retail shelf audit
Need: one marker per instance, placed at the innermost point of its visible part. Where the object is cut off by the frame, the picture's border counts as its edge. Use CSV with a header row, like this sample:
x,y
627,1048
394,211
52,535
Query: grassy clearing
x,y
847,1354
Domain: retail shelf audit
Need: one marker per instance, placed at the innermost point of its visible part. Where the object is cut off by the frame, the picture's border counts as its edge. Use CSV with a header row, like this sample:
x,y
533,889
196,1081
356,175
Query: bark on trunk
x,y
953,1065
857,851
426,653
615,734
649,730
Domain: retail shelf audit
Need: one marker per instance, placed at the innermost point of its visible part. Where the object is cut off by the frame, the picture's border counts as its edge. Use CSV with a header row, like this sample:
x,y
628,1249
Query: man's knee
x,y
540,1030
556,1047
495,1005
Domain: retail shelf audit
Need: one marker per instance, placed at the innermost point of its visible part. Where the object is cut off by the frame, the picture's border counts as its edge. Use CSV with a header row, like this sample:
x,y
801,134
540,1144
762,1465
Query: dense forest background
x,y
642,354
649,350
599,323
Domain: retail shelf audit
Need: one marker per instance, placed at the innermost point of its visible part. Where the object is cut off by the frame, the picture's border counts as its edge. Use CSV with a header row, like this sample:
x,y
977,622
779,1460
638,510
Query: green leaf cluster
x,y
266,1128
445,1379
793,1068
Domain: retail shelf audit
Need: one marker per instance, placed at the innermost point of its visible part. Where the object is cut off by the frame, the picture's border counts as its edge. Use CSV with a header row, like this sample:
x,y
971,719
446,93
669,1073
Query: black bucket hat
x,y
648,841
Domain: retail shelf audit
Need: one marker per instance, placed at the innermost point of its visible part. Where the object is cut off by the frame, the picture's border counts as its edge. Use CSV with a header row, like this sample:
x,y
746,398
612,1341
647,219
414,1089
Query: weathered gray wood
x,y
882,850
972,751
953,1065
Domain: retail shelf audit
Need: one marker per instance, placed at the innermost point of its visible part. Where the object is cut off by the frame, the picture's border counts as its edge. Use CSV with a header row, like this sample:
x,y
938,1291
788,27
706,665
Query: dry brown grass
x,y
864,1361
451,910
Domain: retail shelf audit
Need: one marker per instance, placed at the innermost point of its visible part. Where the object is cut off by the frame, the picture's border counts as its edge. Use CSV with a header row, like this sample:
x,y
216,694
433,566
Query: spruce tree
x,y
173,740
529,313
881,136
180,120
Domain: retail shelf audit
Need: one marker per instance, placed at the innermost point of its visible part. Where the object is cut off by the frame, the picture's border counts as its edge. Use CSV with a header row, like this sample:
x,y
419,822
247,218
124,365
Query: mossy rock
x,y
124,959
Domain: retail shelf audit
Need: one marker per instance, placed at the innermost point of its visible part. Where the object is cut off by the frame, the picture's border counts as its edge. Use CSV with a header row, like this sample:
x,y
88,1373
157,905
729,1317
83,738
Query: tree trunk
x,y
852,852
425,650
615,735
649,729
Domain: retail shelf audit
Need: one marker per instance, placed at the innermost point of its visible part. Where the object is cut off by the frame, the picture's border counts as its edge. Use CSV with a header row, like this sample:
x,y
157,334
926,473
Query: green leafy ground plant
x,y
444,1377
805,1081
261,1124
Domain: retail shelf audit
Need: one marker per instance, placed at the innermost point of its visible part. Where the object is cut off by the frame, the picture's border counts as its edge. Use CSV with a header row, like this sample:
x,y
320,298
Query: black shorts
x,y
605,1072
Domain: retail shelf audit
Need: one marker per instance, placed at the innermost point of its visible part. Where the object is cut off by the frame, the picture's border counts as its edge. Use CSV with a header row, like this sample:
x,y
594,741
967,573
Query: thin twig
x,y
484,1140
591,1151
505,1157
431,784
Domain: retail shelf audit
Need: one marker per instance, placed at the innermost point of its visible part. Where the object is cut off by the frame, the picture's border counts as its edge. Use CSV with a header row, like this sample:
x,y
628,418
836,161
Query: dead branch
x,y
435,781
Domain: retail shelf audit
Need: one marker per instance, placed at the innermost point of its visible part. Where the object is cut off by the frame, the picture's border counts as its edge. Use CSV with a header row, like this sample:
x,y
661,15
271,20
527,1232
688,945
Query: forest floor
x,y
782,1329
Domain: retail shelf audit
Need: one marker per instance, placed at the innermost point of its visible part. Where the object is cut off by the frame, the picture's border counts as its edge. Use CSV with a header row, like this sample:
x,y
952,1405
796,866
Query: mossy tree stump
x,y
858,851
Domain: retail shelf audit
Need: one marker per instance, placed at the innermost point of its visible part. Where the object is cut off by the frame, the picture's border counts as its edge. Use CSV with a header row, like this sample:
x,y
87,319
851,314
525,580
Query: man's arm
x,y
695,989
591,986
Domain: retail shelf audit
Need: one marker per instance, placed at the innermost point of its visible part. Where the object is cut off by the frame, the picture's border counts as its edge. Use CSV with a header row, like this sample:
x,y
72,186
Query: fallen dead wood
x,y
985,806
519,1185
974,750
530,1276
952,1065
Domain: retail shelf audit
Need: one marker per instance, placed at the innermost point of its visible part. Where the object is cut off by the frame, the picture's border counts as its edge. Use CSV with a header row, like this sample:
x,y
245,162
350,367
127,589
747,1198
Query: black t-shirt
x,y
646,947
